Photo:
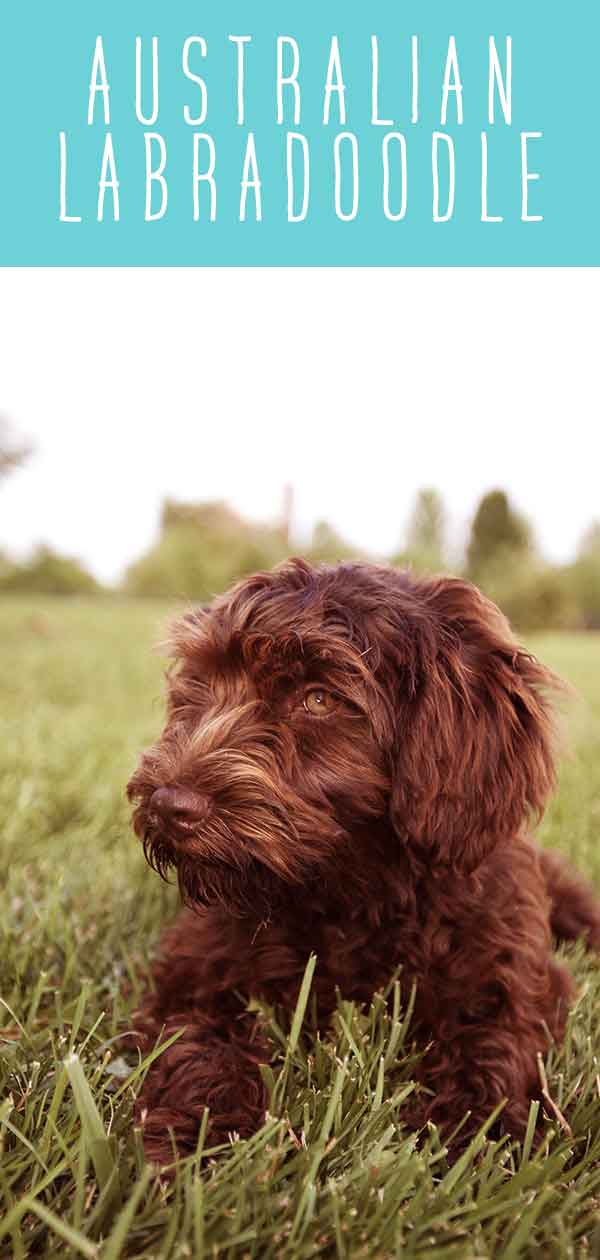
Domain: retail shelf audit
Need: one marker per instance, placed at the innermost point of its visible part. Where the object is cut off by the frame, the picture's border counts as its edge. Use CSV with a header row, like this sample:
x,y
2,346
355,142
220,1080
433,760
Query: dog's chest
x,y
356,957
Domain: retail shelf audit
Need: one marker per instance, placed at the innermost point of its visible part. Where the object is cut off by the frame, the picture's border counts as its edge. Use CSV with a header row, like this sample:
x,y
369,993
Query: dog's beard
x,y
251,892
248,862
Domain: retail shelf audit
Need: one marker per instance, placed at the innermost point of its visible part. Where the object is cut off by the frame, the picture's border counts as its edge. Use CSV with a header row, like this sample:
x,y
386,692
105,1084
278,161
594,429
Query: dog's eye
x,y
319,702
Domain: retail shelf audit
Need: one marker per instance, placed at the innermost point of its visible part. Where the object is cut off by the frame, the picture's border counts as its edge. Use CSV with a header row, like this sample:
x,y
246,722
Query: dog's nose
x,y
180,805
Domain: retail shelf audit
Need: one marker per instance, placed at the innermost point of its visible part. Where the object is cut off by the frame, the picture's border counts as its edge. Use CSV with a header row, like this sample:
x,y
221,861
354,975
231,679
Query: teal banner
x,y
262,133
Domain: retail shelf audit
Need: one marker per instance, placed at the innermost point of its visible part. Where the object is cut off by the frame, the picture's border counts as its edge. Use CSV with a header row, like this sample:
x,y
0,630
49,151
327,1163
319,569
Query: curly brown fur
x,y
351,760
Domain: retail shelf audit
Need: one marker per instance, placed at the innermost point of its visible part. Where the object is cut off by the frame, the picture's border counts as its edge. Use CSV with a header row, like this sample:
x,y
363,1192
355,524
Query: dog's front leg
x,y
199,980
203,1068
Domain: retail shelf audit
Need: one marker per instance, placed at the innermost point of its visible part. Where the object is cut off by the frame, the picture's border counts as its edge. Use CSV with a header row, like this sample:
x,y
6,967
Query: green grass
x,y
335,1172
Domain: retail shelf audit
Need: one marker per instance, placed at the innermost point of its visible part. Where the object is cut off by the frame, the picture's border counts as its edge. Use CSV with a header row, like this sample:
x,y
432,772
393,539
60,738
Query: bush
x,y
533,596
47,573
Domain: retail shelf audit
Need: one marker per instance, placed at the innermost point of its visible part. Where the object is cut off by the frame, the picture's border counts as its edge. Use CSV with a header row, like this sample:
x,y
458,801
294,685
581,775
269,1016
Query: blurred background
x,y
163,433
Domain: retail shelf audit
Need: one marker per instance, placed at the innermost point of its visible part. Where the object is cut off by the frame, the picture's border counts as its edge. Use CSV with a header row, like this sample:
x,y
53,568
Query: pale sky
x,y
357,386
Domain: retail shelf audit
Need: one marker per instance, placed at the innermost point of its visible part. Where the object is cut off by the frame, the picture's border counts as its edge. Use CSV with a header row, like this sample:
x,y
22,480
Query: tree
x,y
503,560
201,550
425,549
328,547
499,537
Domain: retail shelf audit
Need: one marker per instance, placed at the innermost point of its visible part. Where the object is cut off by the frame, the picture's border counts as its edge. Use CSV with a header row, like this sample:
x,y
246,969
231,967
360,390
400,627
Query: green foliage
x,y
538,596
49,573
499,537
533,596
328,547
336,1171
425,549
503,561
583,578
201,550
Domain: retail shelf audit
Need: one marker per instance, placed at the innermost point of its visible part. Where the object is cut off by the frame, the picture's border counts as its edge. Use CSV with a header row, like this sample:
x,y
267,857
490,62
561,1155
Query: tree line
x,y
202,548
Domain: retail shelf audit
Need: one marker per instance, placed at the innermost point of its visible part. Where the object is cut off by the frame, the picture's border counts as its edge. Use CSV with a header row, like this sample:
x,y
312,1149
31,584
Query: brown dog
x,y
349,765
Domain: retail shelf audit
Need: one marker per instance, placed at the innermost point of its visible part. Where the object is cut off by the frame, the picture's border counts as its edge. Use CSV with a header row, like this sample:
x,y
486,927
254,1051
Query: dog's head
x,y
313,712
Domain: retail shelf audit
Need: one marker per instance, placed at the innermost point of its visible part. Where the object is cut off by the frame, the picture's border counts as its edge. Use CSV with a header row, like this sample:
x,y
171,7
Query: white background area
x,y
355,386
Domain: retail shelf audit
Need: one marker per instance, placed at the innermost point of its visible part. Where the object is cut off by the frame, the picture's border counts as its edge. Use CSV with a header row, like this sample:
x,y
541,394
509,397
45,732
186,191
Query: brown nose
x,y
180,805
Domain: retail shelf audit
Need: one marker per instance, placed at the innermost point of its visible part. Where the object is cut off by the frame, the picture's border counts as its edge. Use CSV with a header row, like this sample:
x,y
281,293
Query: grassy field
x,y
335,1172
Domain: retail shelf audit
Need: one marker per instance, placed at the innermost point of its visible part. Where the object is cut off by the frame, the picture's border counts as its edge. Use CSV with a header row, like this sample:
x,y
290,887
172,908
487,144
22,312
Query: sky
x,y
357,387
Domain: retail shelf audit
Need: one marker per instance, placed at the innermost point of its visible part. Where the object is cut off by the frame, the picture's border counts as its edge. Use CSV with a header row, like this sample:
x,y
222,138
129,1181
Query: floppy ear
x,y
475,748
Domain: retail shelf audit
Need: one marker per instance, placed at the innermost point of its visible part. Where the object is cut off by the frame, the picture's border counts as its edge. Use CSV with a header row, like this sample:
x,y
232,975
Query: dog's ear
x,y
475,742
